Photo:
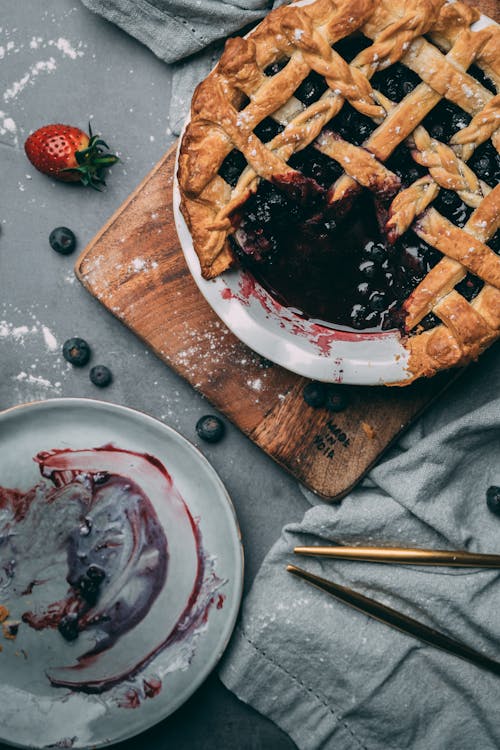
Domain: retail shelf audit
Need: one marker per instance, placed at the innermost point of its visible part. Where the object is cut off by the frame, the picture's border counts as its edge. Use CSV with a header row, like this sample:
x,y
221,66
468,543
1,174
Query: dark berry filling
x,y
268,129
494,242
351,125
275,67
485,162
311,88
232,166
445,120
395,82
476,72
330,267
449,204
402,163
470,287
351,46
316,165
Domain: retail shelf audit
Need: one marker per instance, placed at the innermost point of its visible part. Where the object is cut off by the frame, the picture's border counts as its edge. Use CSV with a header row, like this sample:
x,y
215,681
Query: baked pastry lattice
x,y
256,82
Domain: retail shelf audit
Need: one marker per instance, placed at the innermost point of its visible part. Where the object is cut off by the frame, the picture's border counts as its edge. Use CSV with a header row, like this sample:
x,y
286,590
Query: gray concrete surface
x,y
58,62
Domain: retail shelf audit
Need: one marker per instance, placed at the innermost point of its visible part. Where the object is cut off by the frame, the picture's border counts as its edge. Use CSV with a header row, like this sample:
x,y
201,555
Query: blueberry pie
x,y
346,154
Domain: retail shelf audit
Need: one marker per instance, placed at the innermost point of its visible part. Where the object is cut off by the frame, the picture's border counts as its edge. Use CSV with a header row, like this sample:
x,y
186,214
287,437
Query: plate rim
x,y
216,655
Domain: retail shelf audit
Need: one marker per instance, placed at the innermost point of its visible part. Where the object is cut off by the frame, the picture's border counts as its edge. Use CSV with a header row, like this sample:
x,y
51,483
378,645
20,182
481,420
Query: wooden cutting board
x,y
135,268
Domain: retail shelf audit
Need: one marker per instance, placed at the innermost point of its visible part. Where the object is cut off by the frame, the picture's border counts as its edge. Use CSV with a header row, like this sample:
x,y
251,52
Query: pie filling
x,y
333,263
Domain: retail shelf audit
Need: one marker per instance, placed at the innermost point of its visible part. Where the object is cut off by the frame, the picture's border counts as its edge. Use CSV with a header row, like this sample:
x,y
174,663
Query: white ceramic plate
x,y
33,712
279,334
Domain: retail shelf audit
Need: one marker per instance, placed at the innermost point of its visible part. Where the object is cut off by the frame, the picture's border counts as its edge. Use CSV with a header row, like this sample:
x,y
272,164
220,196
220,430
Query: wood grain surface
x,y
135,267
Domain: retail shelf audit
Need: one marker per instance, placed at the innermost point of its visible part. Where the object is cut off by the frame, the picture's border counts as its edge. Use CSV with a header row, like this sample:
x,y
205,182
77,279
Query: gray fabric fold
x,y
335,679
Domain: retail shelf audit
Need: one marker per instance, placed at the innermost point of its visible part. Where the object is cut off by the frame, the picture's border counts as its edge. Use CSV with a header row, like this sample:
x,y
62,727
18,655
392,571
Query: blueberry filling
x,y
401,163
316,165
476,72
275,67
330,267
311,88
395,82
485,162
470,287
445,120
351,46
351,125
450,205
494,242
232,166
268,129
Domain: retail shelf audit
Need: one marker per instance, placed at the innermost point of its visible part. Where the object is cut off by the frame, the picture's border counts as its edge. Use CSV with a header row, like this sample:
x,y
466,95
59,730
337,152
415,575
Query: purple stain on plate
x,y
112,518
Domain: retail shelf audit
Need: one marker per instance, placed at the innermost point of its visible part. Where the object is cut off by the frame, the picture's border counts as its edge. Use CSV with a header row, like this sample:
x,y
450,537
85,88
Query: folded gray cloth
x,y
332,677
177,29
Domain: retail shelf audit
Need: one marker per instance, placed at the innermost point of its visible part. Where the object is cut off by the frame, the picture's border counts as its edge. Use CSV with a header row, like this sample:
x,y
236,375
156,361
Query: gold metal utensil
x,y
397,620
402,556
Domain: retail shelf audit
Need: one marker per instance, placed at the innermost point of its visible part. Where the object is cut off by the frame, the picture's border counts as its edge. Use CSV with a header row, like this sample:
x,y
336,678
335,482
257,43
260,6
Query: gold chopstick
x,y
400,555
397,620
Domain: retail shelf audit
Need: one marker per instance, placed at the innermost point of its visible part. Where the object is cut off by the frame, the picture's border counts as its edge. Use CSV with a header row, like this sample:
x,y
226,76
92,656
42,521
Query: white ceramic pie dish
x,y
281,335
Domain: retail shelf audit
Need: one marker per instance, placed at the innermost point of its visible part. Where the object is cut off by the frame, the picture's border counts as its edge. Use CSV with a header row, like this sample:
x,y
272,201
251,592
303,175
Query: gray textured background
x,y
59,63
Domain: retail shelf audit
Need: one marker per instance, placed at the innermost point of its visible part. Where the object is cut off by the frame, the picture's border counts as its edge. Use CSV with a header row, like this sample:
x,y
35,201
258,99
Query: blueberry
x,y
358,316
336,400
377,301
437,132
62,240
374,251
100,375
315,394
89,589
368,269
96,573
232,166
76,351
493,499
68,627
210,428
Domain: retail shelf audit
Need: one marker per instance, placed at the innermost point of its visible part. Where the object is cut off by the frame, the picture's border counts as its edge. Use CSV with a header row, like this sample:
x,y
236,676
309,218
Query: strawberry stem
x,y
92,161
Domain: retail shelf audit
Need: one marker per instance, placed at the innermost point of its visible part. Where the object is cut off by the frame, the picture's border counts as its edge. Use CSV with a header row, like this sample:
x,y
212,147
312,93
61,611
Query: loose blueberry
x,y
368,269
68,627
62,240
210,428
493,499
314,394
76,351
336,400
101,376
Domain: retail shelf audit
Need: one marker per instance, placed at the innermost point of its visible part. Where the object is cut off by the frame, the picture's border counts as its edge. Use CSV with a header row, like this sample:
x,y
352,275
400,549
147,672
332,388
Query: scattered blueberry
x,y
377,301
100,375
314,394
493,499
210,428
336,400
68,627
76,351
62,240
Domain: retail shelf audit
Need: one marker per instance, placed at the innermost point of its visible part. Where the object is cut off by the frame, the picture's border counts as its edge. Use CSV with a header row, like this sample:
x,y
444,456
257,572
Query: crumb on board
x,y
4,613
368,430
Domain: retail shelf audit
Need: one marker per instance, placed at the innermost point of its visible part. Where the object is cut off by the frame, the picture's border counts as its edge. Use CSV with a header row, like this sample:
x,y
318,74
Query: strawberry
x,y
69,154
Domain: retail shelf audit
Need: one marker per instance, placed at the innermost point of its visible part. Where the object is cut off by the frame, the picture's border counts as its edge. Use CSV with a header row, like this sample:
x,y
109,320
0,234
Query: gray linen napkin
x,y
335,679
